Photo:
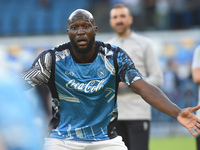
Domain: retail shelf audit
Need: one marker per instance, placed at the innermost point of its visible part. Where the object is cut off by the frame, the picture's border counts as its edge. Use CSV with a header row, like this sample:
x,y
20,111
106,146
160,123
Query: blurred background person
x,y
134,113
22,120
196,79
23,123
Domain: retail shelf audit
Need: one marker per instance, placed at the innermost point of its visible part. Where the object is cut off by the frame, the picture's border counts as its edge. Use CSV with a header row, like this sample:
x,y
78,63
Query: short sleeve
x,y
40,71
127,71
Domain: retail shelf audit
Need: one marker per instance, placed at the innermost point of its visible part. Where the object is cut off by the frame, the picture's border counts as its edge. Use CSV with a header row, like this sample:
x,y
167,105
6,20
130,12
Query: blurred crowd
x,y
176,59
164,14
38,17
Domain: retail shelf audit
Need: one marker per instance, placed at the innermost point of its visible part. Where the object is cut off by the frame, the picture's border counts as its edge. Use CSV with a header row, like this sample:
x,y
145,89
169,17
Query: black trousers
x,y
198,142
135,133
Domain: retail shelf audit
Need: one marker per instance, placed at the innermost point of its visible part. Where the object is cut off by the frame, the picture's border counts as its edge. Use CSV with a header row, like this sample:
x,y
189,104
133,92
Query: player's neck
x,y
85,58
124,34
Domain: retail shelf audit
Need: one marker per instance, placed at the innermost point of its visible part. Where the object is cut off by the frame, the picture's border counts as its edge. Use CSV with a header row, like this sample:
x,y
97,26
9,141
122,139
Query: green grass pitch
x,y
173,143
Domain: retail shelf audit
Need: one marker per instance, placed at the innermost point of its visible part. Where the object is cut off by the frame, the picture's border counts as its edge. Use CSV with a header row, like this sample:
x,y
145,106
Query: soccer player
x,y
196,79
83,76
134,113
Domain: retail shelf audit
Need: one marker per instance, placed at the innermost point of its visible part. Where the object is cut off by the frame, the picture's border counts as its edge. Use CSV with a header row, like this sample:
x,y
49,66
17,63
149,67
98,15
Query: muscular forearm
x,y
155,98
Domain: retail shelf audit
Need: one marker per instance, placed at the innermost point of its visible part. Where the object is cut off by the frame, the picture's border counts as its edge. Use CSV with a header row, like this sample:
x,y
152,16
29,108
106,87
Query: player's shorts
x,y
62,144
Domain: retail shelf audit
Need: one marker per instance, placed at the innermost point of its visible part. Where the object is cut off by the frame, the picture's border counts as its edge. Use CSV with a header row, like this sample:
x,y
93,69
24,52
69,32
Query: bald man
x,y
83,77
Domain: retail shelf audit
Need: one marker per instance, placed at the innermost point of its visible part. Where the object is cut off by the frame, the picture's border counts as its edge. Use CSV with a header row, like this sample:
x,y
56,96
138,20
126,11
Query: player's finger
x,y
198,125
192,132
196,129
195,108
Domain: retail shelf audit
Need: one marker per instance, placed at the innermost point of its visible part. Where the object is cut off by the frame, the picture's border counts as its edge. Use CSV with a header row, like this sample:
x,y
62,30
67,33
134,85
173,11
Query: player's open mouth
x,y
81,41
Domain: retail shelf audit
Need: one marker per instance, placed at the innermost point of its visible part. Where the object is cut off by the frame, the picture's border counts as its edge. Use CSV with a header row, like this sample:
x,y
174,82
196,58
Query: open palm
x,y
187,119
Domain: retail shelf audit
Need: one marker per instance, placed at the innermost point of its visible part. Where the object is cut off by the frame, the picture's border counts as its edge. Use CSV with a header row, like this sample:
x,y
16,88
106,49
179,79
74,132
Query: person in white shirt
x,y
134,113
196,79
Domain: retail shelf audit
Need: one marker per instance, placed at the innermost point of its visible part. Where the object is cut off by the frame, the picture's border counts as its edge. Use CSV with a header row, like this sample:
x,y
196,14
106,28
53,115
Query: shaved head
x,y
82,32
81,14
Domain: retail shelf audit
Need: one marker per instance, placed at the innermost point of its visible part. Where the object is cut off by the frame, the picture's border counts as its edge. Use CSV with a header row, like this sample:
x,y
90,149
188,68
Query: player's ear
x,y
96,30
131,20
68,31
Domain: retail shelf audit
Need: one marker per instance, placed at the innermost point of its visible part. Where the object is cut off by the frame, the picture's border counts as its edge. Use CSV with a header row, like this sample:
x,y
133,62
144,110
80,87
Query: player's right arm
x,y
40,71
154,96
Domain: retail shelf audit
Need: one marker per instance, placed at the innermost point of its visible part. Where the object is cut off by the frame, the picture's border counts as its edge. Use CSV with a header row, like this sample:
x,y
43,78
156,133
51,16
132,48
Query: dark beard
x,y
84,50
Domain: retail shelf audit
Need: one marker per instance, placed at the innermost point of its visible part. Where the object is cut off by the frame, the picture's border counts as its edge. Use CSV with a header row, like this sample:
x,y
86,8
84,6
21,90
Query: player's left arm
x,y
155,97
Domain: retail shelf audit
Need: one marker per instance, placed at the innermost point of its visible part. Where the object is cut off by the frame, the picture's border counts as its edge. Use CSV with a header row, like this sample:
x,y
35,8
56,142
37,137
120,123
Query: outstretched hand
x,y
187,119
